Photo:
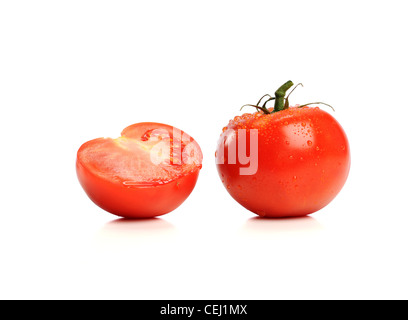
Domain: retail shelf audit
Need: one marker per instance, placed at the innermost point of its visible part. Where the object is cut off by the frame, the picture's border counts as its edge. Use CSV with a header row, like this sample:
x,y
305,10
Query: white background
x,y
71,71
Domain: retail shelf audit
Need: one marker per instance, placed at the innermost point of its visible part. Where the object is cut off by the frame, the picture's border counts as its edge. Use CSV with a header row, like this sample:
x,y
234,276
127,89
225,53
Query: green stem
x,y
266,111
266,95
281,103
280,96
304,105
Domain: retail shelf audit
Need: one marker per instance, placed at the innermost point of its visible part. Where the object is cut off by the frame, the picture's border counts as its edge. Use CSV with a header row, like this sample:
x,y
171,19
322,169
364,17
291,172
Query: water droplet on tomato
x,y
343,148
286,123
294,177
309,142
228,186
287,142
303,124
317,148
290,157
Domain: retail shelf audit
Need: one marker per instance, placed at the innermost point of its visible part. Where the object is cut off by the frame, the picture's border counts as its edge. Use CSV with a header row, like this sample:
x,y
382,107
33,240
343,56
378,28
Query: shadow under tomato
x,y
123,224
265,226
130,232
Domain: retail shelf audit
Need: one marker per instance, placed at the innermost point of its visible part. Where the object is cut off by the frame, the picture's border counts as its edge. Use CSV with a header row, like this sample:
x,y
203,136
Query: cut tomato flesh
x,y
146,154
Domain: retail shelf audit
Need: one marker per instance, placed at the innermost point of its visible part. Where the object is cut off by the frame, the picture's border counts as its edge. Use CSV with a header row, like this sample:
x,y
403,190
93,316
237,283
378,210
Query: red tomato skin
x,y
303,162
133,201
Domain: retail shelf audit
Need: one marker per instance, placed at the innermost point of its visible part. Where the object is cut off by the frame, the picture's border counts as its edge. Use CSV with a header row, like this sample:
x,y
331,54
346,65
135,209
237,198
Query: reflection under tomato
x,y
263,226
130,232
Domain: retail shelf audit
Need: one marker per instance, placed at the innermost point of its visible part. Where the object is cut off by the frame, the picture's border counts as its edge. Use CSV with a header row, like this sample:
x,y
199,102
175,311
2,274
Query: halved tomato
x,y
148,171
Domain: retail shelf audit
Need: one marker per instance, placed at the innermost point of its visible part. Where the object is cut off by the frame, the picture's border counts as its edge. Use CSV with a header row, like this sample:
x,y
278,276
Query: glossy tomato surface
x,y
147,172
302,161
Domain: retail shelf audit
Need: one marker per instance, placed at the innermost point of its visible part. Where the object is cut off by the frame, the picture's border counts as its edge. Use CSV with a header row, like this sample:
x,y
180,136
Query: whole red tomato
x,y
283,161
148,171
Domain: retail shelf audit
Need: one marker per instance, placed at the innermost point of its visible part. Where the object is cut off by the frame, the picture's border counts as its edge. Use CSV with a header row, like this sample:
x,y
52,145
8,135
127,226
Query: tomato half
x,y
147,172
301,163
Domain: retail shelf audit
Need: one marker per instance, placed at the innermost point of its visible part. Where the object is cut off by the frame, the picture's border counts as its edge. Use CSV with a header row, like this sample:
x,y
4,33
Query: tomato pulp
x,y
302,160
147,172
